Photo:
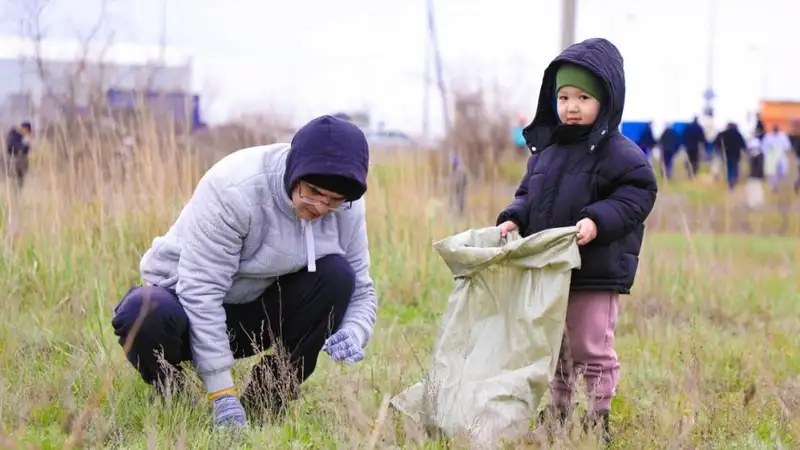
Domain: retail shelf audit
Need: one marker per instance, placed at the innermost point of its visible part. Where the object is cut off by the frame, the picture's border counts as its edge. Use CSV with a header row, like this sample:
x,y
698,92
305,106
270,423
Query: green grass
x,y
707,341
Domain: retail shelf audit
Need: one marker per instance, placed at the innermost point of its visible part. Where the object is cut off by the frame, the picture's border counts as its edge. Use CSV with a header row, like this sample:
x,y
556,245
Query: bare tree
x,y
71,90
74,101
481,129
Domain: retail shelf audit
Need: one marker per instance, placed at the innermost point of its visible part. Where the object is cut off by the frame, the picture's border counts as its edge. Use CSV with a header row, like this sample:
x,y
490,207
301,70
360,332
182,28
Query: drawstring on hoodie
x,y
310,255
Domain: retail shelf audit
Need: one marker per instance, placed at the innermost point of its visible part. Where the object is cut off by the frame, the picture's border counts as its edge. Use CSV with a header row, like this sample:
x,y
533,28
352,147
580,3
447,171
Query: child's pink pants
x,y
588,350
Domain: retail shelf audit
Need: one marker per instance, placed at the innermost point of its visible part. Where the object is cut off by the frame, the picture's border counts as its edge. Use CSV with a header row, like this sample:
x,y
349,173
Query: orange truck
x,y
784,113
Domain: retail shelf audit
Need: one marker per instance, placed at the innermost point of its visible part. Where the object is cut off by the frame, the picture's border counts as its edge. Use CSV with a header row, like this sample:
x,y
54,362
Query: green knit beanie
x,y
577,76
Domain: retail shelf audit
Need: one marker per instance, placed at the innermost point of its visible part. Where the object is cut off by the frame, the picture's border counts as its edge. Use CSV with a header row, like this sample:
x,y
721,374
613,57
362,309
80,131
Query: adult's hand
x,y
228,412
343,346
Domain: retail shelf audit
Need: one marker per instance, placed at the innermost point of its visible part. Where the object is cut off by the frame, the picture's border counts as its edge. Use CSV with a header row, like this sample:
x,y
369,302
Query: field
x,y
708,340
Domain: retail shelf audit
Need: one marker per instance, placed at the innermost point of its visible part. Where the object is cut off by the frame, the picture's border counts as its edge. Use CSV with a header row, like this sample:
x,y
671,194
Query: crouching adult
x,y
270,249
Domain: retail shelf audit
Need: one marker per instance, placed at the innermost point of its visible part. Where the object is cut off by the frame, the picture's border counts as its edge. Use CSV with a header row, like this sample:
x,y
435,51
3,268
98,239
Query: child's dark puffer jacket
x,y
605,177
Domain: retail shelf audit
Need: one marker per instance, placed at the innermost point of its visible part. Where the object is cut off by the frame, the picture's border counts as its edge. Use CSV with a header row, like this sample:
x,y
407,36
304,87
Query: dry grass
x,y
707,340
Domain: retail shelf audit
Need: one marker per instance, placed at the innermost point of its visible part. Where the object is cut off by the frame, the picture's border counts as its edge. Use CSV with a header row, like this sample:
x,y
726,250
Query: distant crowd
x,y
767,152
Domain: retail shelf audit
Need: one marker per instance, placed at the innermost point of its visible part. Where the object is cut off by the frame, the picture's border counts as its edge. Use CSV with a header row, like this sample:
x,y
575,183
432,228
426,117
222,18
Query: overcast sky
x,y
307,57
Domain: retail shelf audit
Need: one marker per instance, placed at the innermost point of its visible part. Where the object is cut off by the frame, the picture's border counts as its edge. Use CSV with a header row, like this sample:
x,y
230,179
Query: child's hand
x,y
587,231
507,227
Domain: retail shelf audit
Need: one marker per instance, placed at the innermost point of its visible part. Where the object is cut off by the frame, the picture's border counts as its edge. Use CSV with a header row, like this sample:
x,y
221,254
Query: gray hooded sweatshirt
x,y
237,233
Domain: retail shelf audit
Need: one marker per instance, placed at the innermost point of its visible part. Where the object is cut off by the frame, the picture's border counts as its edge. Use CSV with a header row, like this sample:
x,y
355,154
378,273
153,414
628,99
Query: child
x,y
584,171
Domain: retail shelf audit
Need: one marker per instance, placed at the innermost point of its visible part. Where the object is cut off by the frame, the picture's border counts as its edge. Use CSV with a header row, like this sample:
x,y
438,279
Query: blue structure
x,y
634,130
680,128
173,103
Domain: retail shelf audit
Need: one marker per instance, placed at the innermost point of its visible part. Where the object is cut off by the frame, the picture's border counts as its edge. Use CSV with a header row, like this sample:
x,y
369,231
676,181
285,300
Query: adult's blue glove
x,y
344,346
228,412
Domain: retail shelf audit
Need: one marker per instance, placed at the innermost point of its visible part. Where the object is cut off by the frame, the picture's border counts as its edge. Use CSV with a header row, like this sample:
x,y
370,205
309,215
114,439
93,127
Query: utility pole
x,y
163,37
458,176
437,65
568,13
426,97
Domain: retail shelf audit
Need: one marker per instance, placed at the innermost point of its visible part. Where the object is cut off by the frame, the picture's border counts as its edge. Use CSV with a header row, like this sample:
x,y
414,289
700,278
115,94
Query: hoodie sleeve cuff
x,y
361,334
217,381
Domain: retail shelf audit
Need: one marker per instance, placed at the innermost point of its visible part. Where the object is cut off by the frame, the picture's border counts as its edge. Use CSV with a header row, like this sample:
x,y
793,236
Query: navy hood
x,y
603,59
328,146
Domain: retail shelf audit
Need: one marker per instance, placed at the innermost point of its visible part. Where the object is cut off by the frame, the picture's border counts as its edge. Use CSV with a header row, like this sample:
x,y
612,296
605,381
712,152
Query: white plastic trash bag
x,y
499,337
